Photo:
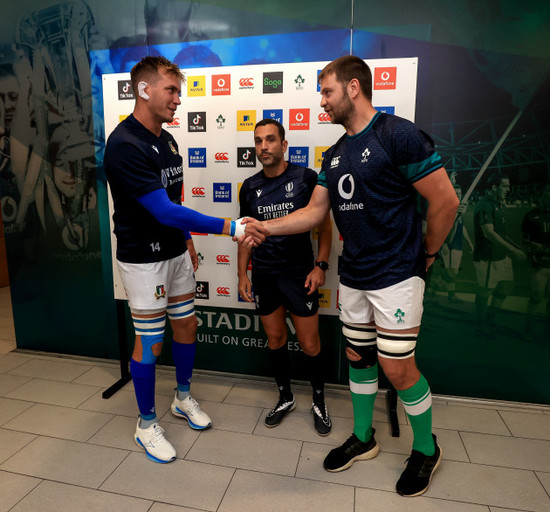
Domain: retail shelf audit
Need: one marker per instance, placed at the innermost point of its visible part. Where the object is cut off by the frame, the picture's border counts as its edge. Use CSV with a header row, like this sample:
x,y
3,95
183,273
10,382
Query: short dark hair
x,y
348,67
268,120
495,179
148,68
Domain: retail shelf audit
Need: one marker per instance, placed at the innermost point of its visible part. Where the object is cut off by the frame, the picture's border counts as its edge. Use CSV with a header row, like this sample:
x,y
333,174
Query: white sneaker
x,y
156,446
190,410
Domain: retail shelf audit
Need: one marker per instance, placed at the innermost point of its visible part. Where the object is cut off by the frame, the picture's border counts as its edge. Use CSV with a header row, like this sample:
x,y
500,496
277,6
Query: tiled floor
x,y
64,448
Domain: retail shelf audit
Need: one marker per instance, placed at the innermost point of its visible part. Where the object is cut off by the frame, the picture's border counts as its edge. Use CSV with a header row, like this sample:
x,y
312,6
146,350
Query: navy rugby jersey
x,y
536,229
370,177
138,162
268,198
489,211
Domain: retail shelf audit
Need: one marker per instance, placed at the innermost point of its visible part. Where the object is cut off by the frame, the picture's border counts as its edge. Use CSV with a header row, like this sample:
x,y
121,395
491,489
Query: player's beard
x,y
343,112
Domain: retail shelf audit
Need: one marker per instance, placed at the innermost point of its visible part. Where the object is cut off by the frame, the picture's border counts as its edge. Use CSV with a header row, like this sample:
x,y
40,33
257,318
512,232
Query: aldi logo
x,y
222,193
276,114
385,78
202,291
246,157
298,155
273,82
221,85
386,110
246,120
197,157
196,121
319,155
196,86
125,91
298,119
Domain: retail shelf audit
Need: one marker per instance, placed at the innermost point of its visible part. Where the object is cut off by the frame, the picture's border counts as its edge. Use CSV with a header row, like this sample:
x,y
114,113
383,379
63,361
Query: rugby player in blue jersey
x,y
284,275
155,252
371,179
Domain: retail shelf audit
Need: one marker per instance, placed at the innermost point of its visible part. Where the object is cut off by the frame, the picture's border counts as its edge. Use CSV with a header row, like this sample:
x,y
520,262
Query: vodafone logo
x,y
246,83
346,186
221,85
221,157
223,291
299,119
198,192
223,259
323,117
385,78
221,82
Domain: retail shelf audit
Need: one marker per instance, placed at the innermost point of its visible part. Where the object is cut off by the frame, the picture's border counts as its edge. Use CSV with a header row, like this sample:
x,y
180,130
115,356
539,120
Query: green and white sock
x,y
363,384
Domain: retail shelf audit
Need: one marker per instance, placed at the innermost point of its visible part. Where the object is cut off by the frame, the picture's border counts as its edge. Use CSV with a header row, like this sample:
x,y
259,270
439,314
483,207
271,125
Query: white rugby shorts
x,y
490,273
149,285
399,306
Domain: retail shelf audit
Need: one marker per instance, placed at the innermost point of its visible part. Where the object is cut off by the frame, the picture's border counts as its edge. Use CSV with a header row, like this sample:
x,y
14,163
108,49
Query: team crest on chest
x,y
172,147
289,187
365,156
160,292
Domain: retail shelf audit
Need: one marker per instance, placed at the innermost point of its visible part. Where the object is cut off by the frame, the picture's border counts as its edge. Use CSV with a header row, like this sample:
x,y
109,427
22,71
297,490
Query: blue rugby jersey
x,y
268,198
369,177
138,162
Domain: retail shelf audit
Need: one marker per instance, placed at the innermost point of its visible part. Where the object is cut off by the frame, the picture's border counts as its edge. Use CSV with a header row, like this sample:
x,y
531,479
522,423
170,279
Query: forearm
x,y
440,220
243,257
325,239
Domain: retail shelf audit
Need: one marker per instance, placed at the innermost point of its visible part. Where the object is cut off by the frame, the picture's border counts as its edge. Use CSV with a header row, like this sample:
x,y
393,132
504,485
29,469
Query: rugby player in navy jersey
x,y
284,275
371,178
155,253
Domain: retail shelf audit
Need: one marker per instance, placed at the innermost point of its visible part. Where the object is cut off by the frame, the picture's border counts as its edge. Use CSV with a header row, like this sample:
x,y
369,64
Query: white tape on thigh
x,y
149,326
396,346
179,310
359,334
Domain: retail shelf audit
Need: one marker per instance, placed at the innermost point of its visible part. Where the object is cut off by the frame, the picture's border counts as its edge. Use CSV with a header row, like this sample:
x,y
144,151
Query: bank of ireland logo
x,y
399,315
299,81
275,114
220,121
197,157
222,192
346,186
365,156
246,157
386,110
125,91
289,189
298,155
196,121
221,85
246,120
385,78
196,86
273,82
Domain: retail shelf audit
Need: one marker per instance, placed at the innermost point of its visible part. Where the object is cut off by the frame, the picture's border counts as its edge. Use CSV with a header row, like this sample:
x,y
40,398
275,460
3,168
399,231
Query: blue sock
x,y
143,376
184,360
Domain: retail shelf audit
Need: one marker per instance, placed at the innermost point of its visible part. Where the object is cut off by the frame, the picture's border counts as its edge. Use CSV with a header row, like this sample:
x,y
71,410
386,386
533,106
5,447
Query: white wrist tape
x,y
239,228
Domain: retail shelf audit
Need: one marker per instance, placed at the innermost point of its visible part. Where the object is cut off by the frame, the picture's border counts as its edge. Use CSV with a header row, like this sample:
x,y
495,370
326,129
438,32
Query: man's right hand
x,y
245,289
255,232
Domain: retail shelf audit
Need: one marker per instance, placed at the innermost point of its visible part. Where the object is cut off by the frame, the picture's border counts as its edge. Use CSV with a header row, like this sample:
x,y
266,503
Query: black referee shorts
x,y
274,290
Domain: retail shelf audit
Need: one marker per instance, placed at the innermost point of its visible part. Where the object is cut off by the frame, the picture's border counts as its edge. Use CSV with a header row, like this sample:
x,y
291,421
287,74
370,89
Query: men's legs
x,y
307,332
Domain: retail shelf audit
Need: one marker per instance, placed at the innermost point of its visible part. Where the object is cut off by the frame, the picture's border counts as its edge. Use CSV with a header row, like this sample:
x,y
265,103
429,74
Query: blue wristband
x,y
232,228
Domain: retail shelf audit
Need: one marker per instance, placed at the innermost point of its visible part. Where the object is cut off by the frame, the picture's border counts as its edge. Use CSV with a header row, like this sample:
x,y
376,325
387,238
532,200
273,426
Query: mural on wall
x,y
483,90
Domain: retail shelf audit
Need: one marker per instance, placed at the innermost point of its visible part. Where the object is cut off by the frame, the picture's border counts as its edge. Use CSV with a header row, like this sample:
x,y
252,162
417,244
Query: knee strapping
x,y
151,332
182,309
396,346
362,340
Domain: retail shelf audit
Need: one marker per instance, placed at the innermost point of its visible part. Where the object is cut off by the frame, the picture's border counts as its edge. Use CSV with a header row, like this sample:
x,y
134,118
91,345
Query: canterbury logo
x,y
324,117
222,258
175,122
222,290
222,157
246,82
198,191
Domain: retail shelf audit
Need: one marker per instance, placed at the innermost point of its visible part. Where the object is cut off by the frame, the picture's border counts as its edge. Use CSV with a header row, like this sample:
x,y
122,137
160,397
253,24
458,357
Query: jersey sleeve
x,y
245,208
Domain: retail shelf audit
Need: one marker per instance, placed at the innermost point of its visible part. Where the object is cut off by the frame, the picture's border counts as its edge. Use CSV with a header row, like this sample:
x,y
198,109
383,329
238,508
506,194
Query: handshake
x,y
248,231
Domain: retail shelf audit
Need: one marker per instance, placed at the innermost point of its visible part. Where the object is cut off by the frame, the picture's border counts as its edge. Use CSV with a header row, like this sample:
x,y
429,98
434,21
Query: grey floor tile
x,y
65,461
52,392
11,442
527,425
252,492
123,403
163,507
471,419
60,422
257,394
7,346
57,497
13,488
119,433
379,473
185,483
258,453
101,376
203,387
498,509
235,418
9,383
545,480
10,408
368,500
508,452
63,371
489,485
10,361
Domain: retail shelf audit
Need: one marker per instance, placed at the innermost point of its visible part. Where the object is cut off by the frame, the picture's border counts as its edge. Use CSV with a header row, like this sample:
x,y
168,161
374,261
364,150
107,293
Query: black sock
x,y
315,371
280,366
